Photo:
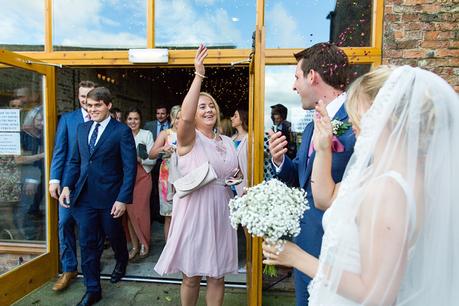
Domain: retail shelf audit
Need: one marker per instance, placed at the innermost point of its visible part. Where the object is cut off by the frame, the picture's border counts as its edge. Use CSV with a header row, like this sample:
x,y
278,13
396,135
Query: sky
x,y
120,23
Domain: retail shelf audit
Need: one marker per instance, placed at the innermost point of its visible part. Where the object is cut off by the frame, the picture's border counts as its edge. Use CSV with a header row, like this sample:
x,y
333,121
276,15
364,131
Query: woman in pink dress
x,y
201,240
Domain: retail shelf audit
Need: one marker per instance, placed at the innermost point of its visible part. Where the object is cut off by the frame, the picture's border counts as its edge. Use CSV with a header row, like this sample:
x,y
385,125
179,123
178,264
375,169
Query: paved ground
x,y
137,293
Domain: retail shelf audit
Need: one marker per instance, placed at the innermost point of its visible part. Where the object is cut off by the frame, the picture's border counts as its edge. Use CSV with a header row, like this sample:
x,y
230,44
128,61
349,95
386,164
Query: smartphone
x,y
142,151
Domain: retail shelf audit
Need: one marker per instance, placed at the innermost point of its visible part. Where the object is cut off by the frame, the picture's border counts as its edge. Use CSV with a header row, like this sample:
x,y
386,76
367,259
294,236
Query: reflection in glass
x,y
219,23
103,24
22,25
279,90
301,24
22,173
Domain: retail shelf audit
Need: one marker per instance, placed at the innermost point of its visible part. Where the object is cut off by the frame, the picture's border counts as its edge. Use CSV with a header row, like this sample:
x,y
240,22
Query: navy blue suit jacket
x,y
108,174
65,142
297,173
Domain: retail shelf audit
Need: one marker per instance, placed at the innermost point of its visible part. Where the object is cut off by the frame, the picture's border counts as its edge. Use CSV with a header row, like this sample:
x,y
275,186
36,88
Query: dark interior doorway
x,y
147,88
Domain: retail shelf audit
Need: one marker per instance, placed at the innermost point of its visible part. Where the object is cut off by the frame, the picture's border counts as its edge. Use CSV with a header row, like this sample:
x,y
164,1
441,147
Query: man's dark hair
x,y
162,106
279,109
133,110
100,94
115,110
329,61
87,84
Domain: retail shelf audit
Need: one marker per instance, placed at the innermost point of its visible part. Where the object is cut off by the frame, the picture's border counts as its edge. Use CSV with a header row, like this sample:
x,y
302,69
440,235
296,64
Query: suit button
x,y
90,161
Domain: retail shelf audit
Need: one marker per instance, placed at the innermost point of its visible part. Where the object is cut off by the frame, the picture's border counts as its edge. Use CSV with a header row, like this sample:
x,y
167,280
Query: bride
x,y
391,234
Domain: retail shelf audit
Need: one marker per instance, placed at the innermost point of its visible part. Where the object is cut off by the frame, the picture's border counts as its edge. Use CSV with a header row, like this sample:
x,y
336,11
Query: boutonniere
x,y
339,127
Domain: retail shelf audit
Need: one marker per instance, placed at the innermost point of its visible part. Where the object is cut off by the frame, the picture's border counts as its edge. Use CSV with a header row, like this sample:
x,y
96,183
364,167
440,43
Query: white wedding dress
x,y
337,227
391,236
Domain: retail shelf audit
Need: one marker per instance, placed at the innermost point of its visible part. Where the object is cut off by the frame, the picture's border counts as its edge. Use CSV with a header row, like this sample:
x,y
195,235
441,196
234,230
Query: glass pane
x,y
22,25
22,172
279,90
217,23
300,24
102,24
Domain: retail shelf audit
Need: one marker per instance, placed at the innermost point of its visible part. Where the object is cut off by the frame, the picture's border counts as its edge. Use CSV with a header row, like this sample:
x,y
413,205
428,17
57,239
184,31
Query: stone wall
x,y
423,33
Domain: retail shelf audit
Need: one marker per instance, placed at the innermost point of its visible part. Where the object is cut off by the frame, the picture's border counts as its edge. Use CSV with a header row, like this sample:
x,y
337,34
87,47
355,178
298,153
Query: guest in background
x,y
155,127
279,117
63,148
165,145
201,240
240,122
138,214
116,114
226,127
33,175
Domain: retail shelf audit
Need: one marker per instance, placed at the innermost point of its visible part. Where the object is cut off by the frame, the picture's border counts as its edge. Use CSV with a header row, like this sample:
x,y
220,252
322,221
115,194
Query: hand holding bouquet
x,y
270,210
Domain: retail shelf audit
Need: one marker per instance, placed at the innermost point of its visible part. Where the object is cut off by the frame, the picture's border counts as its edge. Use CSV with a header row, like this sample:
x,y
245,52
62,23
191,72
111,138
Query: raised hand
x,y
201,54
323,131
277,147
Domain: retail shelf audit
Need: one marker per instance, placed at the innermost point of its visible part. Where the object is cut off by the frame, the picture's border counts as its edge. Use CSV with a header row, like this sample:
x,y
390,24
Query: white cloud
x,y
282,29
205,2
87,23
189,26
22,22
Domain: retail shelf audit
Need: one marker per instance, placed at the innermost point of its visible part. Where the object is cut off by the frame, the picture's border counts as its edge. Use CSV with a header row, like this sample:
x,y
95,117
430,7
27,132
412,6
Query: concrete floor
x,y
140,293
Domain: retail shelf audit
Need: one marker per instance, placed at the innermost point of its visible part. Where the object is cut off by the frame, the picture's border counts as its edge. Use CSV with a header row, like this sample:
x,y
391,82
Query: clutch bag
x,y
196,179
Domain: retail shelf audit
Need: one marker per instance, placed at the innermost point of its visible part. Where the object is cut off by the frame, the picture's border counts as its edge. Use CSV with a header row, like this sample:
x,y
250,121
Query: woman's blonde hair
x,y
365,88
175,110
217,108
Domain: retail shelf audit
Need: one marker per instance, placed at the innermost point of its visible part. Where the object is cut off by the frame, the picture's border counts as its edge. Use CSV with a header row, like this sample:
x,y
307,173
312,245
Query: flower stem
x,y
270,271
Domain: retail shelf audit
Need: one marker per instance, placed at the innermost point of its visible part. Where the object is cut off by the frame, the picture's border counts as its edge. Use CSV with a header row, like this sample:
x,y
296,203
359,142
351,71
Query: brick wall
x,y
423,33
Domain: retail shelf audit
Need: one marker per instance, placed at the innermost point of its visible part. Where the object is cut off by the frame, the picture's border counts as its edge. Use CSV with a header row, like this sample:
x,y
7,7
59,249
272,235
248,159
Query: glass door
x,y
28,218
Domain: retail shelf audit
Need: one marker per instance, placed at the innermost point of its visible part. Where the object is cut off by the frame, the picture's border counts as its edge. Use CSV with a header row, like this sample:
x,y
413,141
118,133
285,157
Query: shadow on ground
x,y
141,293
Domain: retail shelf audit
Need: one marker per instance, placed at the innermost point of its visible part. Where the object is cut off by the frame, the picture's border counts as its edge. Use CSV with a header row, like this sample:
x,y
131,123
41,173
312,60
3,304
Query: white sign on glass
x,y
10,144
10,120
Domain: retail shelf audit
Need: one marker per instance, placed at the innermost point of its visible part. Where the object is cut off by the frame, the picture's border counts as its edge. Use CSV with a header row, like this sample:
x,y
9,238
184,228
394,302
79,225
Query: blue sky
x,y
120,23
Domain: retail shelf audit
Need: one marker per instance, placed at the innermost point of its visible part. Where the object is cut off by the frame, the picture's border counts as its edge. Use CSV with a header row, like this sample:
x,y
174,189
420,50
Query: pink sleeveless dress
x,y
201,241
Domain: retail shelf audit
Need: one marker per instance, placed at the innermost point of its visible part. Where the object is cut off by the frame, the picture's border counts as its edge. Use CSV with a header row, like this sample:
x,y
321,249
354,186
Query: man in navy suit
x,y
321,74
99,182
65,142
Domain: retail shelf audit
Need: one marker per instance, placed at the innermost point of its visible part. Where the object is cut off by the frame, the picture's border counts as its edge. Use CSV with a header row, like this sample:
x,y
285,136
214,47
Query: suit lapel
x,y
106,133
305,165
84,141
341,115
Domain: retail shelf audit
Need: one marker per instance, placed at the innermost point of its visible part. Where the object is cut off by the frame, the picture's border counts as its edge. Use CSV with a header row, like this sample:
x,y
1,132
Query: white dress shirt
x,y
103,125
145,137
86,116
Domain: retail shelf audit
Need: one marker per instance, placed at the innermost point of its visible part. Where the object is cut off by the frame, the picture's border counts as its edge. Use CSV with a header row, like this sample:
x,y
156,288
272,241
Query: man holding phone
x,y
98,184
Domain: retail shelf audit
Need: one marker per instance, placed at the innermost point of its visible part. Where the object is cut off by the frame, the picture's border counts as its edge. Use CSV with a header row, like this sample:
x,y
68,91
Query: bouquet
x,y
270,210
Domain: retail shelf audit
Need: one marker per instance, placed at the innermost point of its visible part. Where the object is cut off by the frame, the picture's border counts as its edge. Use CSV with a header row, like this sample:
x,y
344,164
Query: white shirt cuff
x,y
54,181
32,181
278,169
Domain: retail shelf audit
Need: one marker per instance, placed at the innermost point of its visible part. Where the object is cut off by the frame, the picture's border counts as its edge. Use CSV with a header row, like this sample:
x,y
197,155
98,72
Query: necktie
x,y
162,126
92,140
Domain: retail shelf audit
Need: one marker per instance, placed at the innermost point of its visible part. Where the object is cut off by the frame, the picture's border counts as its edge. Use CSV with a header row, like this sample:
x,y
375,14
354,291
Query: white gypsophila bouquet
x,y
270,210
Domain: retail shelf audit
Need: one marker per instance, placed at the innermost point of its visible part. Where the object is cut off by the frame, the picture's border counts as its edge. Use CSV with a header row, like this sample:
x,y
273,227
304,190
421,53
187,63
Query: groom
x,y
321,74
99,182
